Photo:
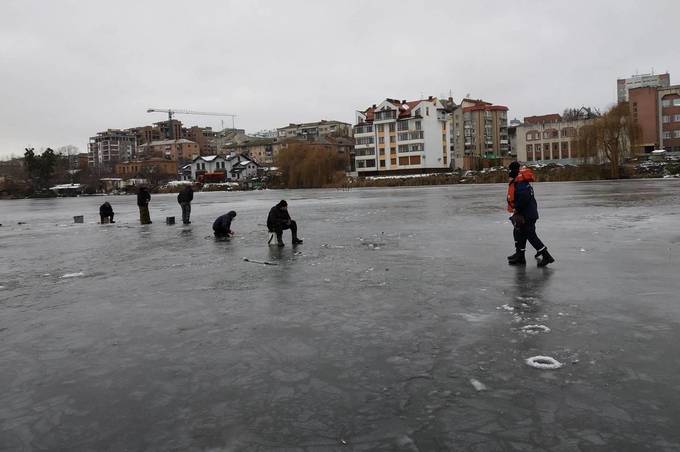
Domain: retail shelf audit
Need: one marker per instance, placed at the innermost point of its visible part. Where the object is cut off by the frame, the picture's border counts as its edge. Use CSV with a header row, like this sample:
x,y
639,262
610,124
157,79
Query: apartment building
x,y
315,129
480,132
402,137
180,150
624,85
548,138
160,167
669,118
112,146
644,108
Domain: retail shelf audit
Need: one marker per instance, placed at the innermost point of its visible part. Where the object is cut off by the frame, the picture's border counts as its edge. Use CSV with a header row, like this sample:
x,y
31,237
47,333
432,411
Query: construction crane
x,y
171,112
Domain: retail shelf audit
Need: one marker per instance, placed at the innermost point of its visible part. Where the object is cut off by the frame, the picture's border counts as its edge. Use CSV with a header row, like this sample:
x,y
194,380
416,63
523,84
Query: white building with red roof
x,y
402,137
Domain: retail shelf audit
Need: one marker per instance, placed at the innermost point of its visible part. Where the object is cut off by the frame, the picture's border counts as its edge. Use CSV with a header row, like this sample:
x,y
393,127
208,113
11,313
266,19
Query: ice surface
x,y
171,341
73,275
478,385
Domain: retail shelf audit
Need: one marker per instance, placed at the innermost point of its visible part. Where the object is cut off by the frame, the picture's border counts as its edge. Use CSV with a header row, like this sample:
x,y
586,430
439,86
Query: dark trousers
x,y
278,230
106,218
144,216
524,232
186,212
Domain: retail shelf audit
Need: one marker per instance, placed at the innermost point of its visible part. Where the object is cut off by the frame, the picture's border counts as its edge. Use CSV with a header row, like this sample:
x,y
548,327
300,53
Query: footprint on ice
x,y
535,329
73,275
543,362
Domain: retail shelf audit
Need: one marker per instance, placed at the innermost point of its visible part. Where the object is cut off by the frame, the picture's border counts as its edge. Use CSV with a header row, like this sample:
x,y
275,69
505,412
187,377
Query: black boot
x,y
543,258
517,259
297,241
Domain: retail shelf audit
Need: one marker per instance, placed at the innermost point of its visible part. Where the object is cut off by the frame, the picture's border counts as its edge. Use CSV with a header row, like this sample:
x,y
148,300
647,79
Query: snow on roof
x,y
66,186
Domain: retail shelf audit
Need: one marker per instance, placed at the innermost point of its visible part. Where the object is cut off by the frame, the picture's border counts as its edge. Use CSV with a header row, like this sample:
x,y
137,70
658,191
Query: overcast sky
x,y
69,69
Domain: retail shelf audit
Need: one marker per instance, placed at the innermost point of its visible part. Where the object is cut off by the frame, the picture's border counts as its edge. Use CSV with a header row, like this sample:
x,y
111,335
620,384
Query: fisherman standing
x,y
143,198
184,199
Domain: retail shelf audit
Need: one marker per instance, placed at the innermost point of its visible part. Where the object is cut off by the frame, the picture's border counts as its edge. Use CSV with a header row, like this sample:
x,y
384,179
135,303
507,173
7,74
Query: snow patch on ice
x,y
73,275
478,385
535,329
507,307
543,362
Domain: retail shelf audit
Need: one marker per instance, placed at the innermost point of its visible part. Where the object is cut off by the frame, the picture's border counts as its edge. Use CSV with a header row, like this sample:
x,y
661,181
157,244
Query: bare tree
x,y
610,137
574,114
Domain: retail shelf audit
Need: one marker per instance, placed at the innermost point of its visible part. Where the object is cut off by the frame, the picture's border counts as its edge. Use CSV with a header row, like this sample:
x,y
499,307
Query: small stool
x,y
169,220
78,219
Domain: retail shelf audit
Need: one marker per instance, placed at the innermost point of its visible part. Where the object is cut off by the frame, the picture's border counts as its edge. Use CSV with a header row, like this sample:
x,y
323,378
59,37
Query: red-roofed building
x,y
542,119
399,136
480,132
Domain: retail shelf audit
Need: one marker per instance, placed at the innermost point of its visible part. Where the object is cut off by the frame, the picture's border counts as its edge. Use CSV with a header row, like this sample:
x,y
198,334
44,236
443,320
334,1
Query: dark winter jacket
x,y
222,224
278,218
186,195
105,210
143,197
521,195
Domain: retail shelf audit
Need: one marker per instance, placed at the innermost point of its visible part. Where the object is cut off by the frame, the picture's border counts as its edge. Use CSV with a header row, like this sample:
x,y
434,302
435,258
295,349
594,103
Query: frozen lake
x,y
397,326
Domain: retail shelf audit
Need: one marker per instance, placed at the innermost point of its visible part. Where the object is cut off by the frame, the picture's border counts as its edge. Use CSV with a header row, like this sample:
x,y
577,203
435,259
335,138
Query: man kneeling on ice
x,y
279,220
222,225
106,213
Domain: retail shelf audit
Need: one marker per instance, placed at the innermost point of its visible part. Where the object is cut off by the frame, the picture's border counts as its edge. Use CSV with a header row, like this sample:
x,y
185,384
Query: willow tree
x,y
609,137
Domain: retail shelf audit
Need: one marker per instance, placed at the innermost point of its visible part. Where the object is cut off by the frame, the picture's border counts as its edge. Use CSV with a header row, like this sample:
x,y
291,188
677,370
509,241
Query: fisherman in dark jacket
x,y
106,213
279,220
184,199
522,205
143,198
222,225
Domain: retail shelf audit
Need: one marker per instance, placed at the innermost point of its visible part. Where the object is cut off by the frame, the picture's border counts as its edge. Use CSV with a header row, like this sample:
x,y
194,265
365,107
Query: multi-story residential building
x,y
180,150
110,147
644,108
401,137
548,138
480,131
262,150
160,167
623,85
669,118
316,129
204,137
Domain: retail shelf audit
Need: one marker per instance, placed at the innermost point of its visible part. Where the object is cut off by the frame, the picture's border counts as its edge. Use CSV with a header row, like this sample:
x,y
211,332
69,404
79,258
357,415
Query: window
x,y
666,103
385,114
414,160
382,152
382,164
403,161
391,127
676,134
393,149
361,163
418,125
402,125
530,148
666,118
417,135
380,127
427,111
676,118
393,161
381,140
676,102
403,136
666,135
417,113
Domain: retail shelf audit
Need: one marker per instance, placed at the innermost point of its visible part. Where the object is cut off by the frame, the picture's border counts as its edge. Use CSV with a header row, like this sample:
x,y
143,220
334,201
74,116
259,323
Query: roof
x,y
553,117
207,158
313,124
67,186
163,142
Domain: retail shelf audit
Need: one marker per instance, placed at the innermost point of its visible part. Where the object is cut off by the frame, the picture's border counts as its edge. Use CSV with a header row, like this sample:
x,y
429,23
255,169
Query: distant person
x,y
184,199
222,225
279,220
143,198
106,213
522,205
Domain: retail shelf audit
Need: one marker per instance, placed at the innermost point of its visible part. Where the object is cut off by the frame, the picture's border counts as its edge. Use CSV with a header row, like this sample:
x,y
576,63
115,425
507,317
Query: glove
x,y
517,220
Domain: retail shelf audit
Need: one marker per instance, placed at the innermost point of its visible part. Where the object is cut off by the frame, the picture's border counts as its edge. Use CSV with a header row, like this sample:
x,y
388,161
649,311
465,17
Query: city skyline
x,y
71,69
